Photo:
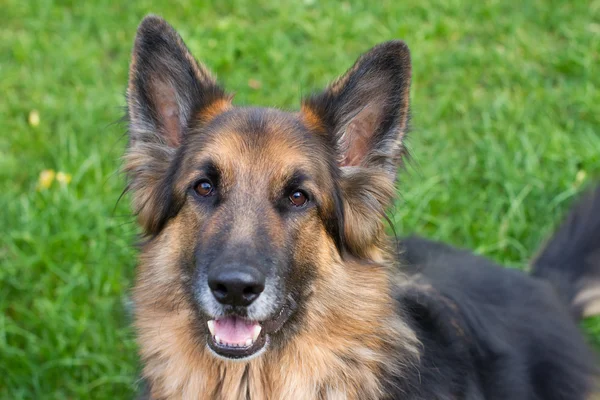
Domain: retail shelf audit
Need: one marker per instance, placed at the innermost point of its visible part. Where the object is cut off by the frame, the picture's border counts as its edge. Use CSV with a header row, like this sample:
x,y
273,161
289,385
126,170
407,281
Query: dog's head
x,y
247,209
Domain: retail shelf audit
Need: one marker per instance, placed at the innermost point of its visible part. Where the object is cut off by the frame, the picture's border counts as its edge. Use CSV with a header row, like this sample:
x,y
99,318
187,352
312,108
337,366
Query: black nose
x,y
236,286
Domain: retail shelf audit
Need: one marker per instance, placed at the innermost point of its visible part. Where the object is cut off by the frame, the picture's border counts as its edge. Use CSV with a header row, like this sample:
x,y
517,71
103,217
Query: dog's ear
x,y
169,92
365,114
167,86
366,110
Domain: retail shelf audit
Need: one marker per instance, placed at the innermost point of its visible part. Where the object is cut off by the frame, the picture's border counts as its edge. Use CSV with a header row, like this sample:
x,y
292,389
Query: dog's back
x,y
512,336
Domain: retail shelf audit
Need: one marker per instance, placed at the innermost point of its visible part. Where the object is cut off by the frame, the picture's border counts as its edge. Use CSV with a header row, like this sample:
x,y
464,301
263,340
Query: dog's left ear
x,y
364,113
366,110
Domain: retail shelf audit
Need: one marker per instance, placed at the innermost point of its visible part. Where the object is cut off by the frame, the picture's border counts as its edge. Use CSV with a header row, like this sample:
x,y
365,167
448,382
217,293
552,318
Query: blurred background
x,y
506,122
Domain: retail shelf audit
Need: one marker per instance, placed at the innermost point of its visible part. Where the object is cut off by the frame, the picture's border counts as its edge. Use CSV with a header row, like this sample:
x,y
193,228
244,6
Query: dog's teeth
x,y
218,339
211,327
256,332
248,342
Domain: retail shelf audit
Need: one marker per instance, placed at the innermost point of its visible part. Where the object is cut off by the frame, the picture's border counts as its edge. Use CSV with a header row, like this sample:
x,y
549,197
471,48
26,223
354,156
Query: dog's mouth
x,y
237,338
234,337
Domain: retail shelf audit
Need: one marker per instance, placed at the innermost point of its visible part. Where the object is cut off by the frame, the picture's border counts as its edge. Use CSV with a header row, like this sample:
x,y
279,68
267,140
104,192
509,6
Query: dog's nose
x,y
236,286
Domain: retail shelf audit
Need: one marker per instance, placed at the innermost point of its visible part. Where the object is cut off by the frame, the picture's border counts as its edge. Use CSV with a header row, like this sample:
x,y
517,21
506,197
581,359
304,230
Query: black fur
x,y
495,333
571,259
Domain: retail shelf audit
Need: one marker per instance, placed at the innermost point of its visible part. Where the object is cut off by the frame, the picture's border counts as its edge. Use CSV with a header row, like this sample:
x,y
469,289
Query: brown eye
x,y
298,198
204,188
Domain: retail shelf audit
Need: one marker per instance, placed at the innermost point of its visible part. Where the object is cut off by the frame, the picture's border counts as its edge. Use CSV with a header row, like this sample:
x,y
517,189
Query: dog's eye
x,y
298,198
204,188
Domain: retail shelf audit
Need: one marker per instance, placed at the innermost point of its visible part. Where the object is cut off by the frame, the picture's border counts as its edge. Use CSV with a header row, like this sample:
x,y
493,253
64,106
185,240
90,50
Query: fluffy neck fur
x,y
351,339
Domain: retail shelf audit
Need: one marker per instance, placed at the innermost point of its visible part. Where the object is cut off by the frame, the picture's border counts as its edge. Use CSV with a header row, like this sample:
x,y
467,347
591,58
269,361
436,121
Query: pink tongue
x,y
234,330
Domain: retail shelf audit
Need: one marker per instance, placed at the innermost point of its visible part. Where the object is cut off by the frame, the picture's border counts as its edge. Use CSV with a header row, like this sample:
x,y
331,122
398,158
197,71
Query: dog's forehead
x,y
253,138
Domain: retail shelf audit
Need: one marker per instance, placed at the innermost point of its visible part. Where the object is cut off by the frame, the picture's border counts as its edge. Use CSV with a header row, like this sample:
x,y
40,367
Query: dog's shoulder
x,y
446,366
465,354
488,331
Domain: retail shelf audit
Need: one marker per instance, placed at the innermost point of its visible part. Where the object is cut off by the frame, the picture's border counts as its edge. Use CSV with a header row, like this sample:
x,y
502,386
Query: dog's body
x,y
266,273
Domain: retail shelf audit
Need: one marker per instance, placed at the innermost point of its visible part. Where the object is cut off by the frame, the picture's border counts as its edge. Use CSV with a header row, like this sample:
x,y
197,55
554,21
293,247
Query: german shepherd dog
x,y
266,272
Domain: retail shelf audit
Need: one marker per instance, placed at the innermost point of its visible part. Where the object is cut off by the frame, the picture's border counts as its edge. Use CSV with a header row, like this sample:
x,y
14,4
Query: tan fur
x,y
588,298
149,163
210,112
340,353
365,209
311,119
351,335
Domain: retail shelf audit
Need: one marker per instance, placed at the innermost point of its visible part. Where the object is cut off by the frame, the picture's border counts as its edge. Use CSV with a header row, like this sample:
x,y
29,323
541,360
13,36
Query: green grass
x,y
505,134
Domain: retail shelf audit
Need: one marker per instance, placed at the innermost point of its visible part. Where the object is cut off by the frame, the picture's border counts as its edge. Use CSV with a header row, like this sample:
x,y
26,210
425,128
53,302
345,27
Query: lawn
x,y
506,122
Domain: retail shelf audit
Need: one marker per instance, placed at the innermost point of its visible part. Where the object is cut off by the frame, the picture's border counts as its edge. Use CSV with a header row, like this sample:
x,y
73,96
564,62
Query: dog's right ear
x,y
364,114
169,92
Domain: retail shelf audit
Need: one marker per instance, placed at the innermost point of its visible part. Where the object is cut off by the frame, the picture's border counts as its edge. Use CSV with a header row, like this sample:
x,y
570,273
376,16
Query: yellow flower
x,y
46,178
34,118
63,178
580,177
